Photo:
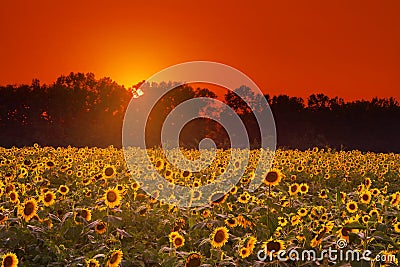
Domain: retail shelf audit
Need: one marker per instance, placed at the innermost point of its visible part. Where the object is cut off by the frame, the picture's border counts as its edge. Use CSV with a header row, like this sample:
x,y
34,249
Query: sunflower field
x,y
83,207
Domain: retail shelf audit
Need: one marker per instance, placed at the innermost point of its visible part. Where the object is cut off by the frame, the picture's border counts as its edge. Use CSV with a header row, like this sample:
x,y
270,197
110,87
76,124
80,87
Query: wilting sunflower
x,y
28,209
303,188
273,177
352,206
48,198
115,258
101,228
273,246
219,237
92,263
365,197
9,260
112,198
109,171
294,189
63,189
193,260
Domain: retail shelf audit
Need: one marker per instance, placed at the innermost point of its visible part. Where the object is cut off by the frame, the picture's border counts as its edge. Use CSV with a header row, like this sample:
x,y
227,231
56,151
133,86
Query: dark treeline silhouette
x,y
80,110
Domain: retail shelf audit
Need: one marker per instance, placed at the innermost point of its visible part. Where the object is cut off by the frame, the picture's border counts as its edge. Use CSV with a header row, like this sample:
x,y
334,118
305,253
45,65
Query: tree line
x,y
80,110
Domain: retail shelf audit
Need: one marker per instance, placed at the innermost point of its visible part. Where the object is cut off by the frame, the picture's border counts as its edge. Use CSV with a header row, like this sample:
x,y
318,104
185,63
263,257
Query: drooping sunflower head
x,y
101,227
219,237
218,198
115,258
294,189
193,260
273,246
92,263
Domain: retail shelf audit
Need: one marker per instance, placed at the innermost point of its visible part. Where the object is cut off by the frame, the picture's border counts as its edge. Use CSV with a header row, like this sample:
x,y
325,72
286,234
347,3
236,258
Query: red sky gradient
x,y
345,48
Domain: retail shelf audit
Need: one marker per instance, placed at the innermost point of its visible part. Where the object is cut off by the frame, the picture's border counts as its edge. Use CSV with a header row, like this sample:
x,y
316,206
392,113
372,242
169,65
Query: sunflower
x,y
273,177
219,237
375,192
244,252
303,188
115,258
28,209
343,196
218,198
367,182
178,240
112,198
9,260
282,221
251,242
323,194
172,236
193,260
396,227
231,222
196,194
374,212
48,198
302,212
92,263
109,171
352,206
14,197
365,218
3,218
244,197
294,189
295,220
84,213
63,189
273,246
101,227
365,197
344,232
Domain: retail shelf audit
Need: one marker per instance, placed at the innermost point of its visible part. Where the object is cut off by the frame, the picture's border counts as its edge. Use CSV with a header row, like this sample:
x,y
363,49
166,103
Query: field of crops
x,y
82,207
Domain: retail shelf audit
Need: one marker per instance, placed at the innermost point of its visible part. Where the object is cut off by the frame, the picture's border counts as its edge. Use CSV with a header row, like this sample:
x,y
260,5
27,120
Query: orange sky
x,y
345,48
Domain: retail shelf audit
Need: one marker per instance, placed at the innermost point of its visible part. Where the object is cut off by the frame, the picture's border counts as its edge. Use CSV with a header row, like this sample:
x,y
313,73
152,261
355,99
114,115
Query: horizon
x,y
286,48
